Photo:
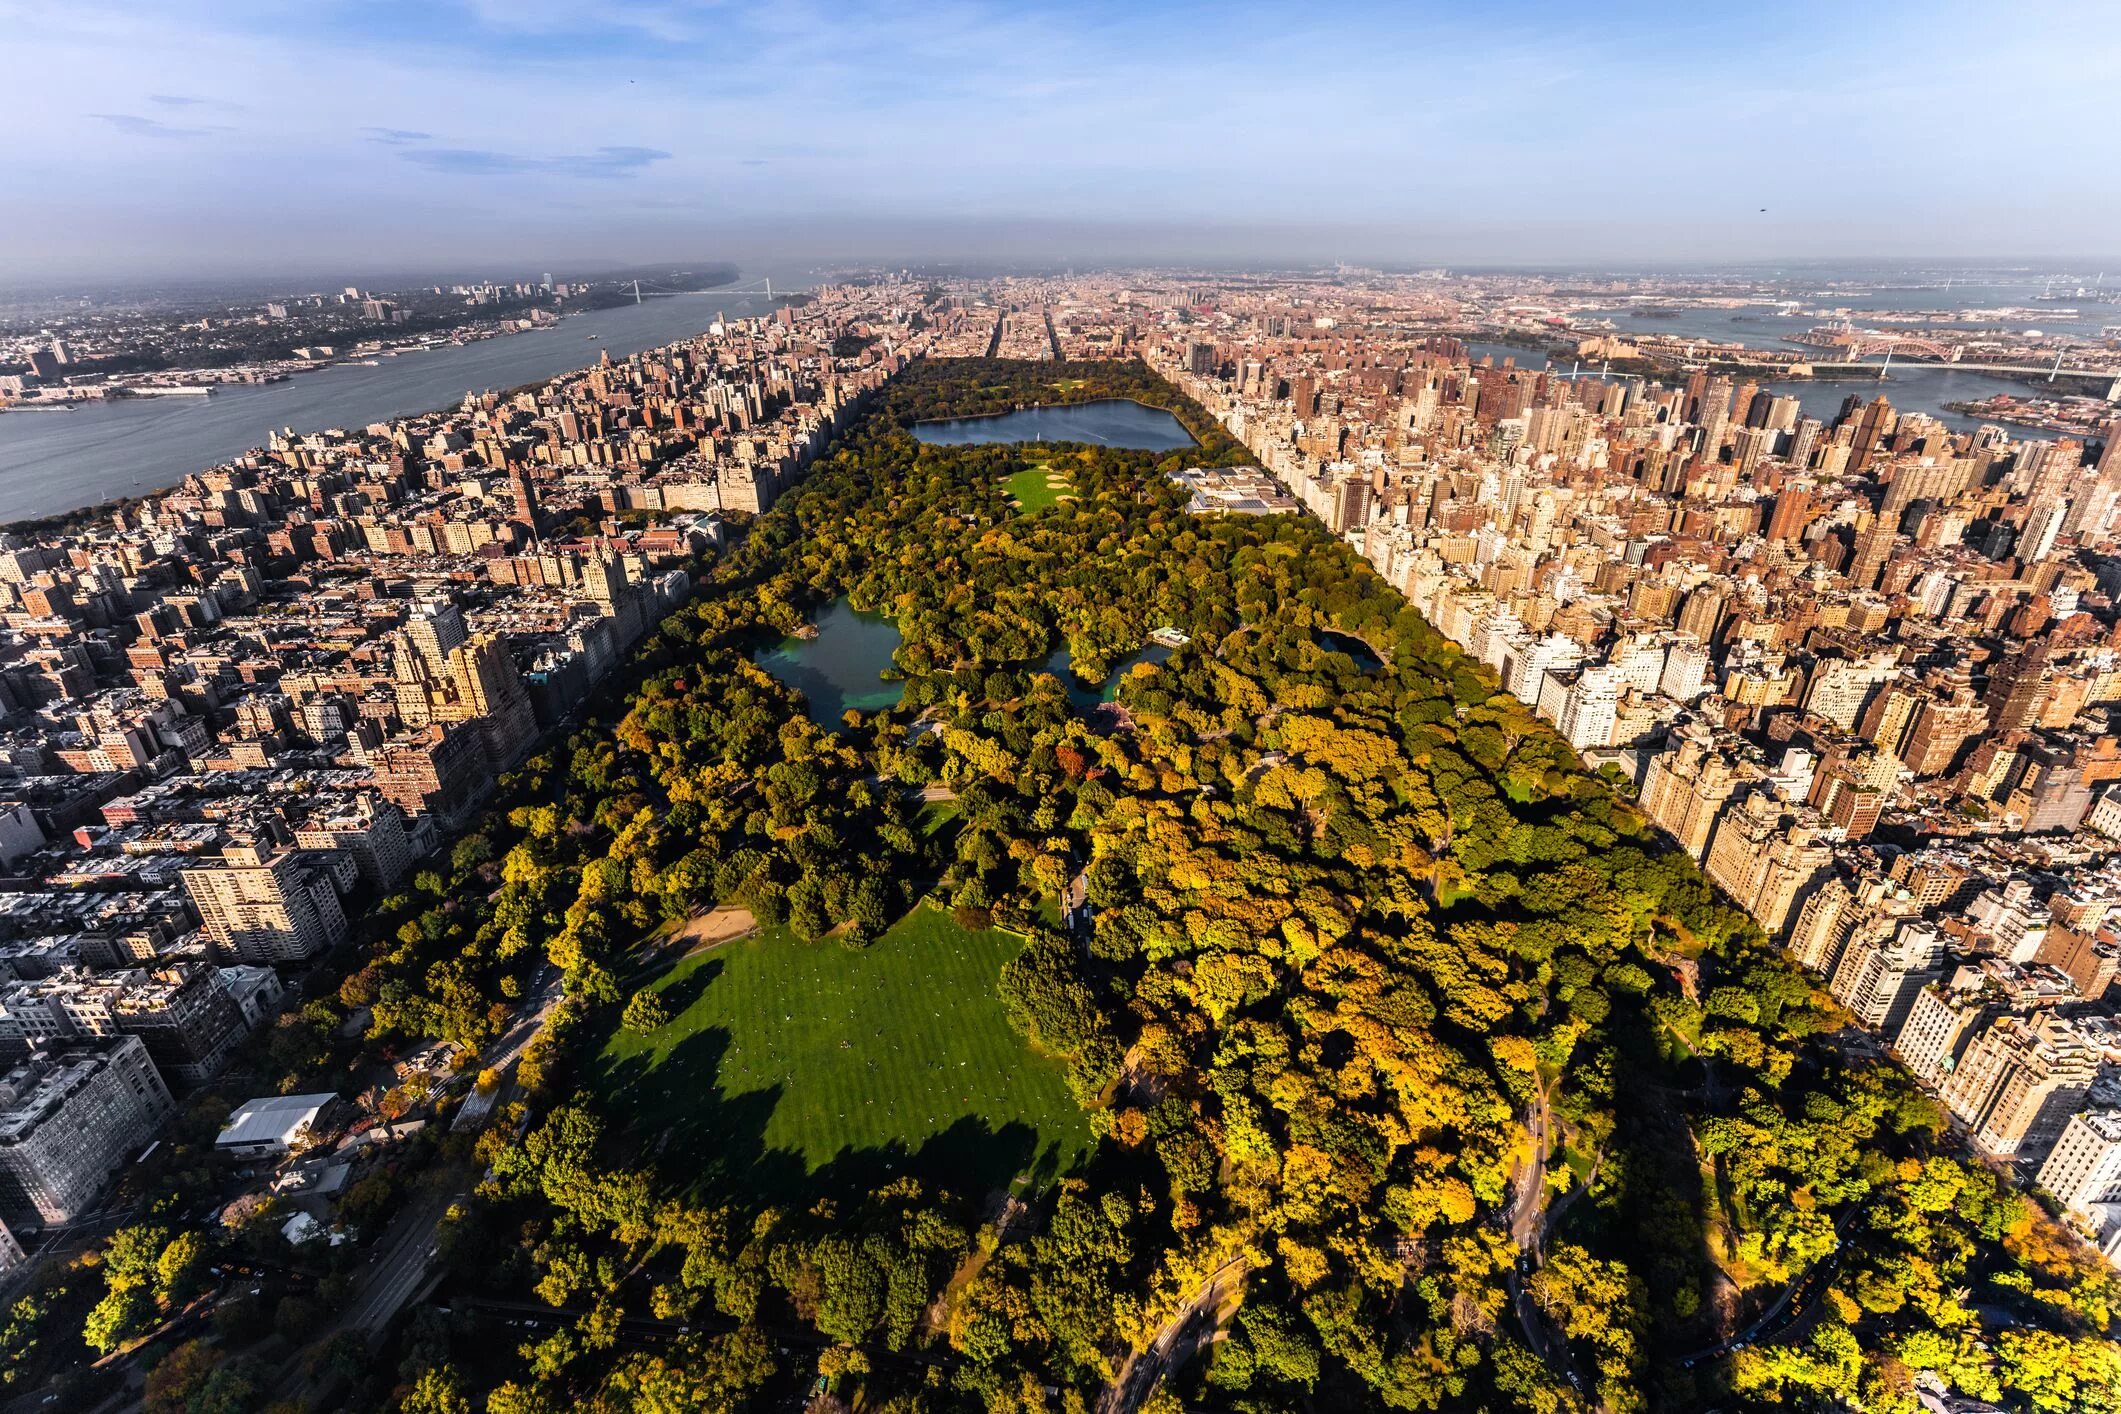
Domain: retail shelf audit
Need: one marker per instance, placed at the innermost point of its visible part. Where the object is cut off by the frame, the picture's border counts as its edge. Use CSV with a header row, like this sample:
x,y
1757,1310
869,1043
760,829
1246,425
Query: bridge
x,y
755,287
2048,372
1906,345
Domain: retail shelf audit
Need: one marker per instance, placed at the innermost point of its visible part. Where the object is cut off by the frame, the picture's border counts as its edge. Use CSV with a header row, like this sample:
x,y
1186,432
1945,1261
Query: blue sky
x,y
233,134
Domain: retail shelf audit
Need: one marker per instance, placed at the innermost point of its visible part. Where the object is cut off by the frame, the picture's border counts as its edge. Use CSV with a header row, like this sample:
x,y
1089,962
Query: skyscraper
x,y
1871,426
1793,505
2020,1082
264,905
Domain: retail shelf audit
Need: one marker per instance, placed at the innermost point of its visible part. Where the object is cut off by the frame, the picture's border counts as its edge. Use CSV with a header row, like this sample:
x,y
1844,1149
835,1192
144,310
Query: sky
x,y
224,136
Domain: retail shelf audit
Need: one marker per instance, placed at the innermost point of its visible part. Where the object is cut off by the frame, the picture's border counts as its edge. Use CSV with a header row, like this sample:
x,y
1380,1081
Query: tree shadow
x,y
710,1143
969,1159
1657,1215
681,992
691,1132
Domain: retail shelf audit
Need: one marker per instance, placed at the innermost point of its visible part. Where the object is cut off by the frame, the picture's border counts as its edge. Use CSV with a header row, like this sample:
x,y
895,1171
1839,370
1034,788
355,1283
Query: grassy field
x,y
786,1059
1037,487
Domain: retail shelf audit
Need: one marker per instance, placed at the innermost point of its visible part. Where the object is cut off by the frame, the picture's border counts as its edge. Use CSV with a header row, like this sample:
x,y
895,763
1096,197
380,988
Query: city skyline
x,y
419,136
1004,708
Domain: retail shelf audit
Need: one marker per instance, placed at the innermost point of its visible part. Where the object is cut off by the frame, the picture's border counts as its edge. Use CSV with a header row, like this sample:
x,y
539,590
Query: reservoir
x,y
842,667
59,461
1110,422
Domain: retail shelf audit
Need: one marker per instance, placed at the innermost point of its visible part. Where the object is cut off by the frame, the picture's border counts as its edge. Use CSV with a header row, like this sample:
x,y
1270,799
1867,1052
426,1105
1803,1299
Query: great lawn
x,y
788,1065
1037,487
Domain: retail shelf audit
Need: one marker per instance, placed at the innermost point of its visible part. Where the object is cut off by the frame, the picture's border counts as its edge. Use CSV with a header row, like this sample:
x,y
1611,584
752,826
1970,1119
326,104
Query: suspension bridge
x,y
762,286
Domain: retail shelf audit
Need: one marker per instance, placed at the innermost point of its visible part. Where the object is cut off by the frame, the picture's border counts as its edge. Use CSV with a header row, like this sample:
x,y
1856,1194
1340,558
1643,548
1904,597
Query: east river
x,y
1908,386
58,461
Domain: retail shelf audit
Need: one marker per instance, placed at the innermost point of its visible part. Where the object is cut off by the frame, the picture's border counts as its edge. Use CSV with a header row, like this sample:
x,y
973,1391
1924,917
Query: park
x,y
806,1056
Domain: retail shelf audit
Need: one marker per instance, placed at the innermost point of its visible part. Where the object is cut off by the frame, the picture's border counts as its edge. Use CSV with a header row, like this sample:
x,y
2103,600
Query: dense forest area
x,y
1417,1064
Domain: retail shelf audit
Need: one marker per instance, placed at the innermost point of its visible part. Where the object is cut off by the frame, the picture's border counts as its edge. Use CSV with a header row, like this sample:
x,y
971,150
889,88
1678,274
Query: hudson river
x,y
58,461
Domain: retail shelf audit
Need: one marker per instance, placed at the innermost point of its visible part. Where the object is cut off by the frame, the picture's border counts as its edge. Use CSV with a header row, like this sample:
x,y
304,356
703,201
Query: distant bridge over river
x,y
2049,372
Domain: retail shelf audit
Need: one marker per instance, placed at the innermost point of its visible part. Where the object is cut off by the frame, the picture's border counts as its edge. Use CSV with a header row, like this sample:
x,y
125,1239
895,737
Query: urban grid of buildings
x,y
1866,669
231,712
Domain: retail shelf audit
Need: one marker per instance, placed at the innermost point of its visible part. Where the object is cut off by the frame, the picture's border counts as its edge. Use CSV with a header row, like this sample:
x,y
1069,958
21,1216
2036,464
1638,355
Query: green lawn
x,y
783,1058
937,816
1036,487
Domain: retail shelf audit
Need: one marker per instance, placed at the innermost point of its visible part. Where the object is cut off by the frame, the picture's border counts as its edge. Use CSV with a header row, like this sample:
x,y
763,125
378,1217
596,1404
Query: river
x,y
52,462
1910,387
1762,325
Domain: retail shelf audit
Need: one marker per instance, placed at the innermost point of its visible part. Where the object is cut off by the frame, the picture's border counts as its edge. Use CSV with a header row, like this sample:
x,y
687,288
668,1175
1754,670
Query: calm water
x,y
1083,696
842,667
1764,326
1911,387
57,461
1111,423
1354,647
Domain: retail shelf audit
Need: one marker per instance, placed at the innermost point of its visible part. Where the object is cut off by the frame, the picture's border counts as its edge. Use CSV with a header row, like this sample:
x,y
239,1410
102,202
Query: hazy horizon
x,y
265,139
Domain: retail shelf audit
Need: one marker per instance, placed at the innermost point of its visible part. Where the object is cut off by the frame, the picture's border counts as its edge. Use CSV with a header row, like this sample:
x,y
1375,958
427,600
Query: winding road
x,y
1528,1219
1194,1326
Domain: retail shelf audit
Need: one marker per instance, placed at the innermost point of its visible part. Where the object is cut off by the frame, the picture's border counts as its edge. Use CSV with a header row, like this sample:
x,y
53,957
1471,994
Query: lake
x,y
1085,697
59,461
842,667
1355,648
1110,422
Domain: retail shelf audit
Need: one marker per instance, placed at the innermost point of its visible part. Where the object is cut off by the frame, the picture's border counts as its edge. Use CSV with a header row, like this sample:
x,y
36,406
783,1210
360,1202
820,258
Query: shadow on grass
x,y
709,1143
681,992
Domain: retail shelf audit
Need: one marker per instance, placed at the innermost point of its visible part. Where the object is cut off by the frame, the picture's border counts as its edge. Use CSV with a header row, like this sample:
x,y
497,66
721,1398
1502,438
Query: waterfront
x,y
1909,386
1763,325
841,666
1111,422
51,462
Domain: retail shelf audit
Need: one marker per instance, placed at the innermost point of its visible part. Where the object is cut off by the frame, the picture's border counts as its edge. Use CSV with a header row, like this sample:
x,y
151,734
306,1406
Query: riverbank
x,y
133,447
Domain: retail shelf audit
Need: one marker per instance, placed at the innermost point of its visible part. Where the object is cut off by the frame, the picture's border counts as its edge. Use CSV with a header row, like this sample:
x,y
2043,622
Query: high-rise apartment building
x,y
371,830
1763,860
439,771
1793,509
68,1118
1591,708
2019,1083
2089,960
489,692
435,632
1685,789
1940,1024
2016,686
1686,669
1823,926
1878,979
1940,730
2084,1168
265,905
188,1022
